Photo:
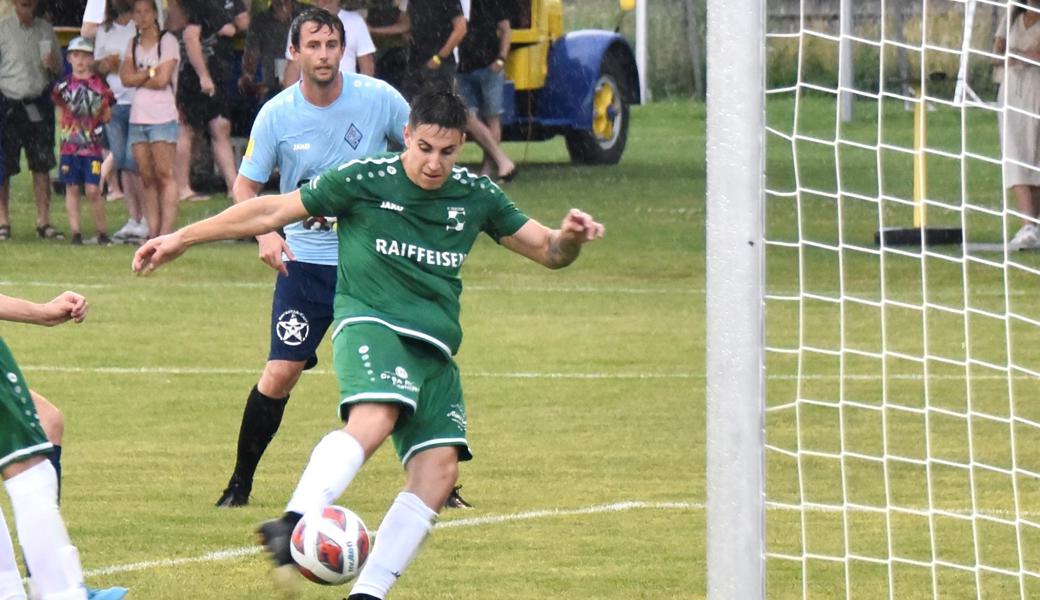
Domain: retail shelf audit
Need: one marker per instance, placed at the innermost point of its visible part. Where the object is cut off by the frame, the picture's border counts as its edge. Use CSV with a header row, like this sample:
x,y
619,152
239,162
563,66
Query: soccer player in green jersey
x,y
406,223
28,475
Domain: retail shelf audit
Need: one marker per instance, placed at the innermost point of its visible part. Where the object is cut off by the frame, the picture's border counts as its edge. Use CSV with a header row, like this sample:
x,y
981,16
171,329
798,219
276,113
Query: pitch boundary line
x,y
505,375
624,506
227,371
269,285
233,553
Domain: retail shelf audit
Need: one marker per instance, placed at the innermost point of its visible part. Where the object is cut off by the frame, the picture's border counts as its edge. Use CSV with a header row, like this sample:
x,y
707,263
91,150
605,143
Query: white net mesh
x,y
903,405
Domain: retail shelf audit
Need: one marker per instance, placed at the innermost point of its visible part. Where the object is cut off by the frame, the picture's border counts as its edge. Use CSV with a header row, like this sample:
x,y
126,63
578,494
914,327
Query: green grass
x,y
921,358
584,387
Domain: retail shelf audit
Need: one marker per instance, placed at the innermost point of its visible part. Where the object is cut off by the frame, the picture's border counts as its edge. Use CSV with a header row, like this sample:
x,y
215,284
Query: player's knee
x,y
435,470
51,418
280,377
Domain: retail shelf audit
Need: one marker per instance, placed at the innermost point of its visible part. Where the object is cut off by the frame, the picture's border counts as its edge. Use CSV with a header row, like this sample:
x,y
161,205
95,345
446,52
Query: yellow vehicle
x,y
579,84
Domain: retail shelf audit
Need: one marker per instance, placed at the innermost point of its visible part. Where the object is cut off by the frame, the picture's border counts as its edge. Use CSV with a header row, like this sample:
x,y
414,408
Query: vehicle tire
x,y
604,143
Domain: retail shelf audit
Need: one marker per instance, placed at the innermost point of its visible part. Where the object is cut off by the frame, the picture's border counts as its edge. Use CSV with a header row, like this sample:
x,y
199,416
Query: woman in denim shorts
x,y
150,65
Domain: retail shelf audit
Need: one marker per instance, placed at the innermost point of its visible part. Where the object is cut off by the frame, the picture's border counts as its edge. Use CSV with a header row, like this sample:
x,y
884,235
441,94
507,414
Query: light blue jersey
x,y
303,140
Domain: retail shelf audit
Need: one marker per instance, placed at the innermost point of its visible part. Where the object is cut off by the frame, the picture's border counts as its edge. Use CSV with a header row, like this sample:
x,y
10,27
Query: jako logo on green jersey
x,y
419,254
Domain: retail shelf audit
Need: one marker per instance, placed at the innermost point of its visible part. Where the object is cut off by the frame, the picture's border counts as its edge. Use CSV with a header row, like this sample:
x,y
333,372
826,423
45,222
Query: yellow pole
x,y
920,175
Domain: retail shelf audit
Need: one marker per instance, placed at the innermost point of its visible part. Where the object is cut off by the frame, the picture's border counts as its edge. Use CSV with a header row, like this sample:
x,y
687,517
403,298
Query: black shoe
x,y
361,597
77,240
274,536
103,240
236,494
455,500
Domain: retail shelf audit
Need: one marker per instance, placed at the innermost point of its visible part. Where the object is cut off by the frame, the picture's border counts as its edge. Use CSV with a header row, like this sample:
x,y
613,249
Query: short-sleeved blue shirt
x,y
302,140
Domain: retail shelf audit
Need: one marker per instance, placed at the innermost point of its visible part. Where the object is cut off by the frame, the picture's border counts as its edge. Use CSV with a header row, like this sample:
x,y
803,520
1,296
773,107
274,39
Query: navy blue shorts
x,y
80,169
301,311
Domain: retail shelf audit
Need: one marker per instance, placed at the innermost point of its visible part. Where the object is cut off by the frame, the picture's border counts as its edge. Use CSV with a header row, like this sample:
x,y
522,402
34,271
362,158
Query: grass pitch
x,y
584,388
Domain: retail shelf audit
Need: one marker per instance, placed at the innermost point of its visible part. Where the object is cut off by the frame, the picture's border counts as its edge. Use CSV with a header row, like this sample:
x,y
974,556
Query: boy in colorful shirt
x,y
85,102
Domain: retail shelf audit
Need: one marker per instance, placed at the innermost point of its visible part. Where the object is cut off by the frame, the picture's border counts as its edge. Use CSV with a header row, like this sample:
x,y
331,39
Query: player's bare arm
x,y
255,216
271,246
555,248
64,307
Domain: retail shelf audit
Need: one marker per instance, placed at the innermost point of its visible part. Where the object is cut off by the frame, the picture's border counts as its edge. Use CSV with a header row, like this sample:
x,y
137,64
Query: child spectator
x,y
85,103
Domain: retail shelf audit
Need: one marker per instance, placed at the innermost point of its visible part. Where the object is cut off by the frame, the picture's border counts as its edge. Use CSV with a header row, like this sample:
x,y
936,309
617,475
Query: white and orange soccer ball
x,y
330,545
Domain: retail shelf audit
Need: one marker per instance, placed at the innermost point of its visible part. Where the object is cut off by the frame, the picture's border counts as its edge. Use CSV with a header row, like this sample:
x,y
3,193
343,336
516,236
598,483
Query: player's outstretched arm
x,y
555,248
252,217
66,306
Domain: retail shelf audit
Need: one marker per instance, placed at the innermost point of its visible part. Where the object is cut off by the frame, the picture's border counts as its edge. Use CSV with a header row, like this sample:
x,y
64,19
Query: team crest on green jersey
x,y
456,218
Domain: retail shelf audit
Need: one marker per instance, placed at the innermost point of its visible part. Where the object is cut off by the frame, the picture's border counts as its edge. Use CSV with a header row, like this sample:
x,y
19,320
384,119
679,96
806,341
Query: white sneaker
x,y
140,229
1027,237
126,231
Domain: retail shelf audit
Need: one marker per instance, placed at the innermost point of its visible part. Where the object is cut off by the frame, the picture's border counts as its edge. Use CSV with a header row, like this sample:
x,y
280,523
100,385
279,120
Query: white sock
x,y
10,580
334,462
400,535
50,556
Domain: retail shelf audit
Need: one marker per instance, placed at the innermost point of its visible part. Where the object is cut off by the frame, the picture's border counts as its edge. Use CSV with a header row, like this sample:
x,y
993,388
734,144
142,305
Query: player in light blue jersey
x,y
324,120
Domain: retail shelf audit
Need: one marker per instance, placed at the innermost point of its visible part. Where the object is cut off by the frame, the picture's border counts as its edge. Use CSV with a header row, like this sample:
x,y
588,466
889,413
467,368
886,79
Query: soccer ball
x,y
330,545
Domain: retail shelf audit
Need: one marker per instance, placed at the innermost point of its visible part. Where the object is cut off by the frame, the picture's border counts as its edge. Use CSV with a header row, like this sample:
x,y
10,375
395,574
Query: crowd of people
x,y
144,81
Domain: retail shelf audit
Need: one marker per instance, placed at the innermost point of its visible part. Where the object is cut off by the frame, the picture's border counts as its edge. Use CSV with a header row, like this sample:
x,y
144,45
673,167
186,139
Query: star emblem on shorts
x,y
292,328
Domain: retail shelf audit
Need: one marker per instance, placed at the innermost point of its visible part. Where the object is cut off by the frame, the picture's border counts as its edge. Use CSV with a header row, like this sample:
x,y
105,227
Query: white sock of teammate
x,y
50,556
400,535
10,580
334,462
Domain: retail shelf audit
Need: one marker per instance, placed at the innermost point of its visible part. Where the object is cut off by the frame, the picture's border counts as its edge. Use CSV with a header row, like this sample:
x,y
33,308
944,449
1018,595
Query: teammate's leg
x,y
11,587
431,478
301,312
53,423
261,419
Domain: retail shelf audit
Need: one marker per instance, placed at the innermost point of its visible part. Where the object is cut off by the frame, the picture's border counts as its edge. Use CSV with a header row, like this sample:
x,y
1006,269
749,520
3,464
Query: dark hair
x,y
438,107
322,18
112,12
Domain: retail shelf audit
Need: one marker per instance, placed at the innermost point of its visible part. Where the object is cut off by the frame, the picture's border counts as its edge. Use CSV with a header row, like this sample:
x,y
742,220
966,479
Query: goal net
x,y
903,398
902,387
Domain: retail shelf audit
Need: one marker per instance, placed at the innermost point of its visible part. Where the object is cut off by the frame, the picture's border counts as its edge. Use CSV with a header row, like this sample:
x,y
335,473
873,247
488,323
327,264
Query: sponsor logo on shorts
x,y
458,415
399,379
292,327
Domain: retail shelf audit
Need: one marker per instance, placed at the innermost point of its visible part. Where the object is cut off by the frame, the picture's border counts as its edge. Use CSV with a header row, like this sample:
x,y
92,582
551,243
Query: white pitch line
x,y
233,553
227,371
509,375
269,285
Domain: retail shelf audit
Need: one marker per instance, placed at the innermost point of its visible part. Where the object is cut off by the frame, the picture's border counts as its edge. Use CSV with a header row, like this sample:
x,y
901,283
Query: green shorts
x,y
375,364
21,434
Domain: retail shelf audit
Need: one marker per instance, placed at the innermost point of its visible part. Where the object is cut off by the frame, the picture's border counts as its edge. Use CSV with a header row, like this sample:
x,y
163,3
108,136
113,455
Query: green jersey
x,y
401,247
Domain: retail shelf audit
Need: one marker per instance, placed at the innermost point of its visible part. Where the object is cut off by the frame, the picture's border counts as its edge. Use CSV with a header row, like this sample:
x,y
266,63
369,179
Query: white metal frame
x,y
734,282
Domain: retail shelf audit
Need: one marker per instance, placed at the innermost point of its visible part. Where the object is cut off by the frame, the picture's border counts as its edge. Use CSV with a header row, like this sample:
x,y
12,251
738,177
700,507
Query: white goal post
x,y
873,410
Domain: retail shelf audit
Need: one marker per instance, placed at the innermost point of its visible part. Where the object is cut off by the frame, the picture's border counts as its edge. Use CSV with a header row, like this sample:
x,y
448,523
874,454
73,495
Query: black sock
x,y
55,458
260,422
292,518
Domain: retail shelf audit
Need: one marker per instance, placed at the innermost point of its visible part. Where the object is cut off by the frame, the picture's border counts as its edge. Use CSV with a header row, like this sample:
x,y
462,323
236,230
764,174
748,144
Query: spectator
x,y
358,53
480,78
93,15
1021,139
386,16
85,103
150,64
436,28
264,49
29,60
202,96
111,42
